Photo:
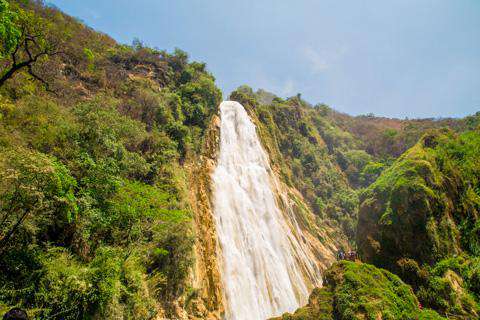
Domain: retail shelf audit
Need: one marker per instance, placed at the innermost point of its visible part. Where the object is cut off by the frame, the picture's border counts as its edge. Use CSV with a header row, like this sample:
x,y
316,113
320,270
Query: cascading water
x,y
266,269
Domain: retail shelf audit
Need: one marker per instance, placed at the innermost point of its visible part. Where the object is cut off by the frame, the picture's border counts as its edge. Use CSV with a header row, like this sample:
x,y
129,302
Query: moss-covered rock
x,y
319,307
425,206
420,220
356,290
452,287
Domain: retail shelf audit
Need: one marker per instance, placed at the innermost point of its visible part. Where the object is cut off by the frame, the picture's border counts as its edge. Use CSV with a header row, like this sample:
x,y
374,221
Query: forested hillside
x,y
331,157
93,138
105,155
420,220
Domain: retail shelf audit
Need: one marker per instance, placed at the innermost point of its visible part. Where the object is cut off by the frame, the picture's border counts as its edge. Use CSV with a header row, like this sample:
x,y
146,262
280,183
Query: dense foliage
x,y
93,212
385,138
417,213
9,31
420,219
96,140
303,146
361,291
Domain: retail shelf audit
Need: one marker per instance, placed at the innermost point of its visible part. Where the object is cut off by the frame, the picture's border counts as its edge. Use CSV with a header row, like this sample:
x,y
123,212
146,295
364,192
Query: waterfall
x,y
265,265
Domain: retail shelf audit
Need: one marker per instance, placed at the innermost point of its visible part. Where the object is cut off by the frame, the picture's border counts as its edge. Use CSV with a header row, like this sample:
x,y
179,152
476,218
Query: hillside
x,y
94,197
420,220
106,157
417,215
404,225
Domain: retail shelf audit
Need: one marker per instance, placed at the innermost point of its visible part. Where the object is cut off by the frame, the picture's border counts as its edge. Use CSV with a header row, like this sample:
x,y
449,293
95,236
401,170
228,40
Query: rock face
x,y
355,290
324,237
420,220
423,207
206,276
207,299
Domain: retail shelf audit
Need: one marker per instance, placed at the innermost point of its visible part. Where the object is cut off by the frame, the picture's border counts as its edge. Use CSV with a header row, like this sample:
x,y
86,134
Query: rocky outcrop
x,y
420,220
417,208
323,238
206,300
355,290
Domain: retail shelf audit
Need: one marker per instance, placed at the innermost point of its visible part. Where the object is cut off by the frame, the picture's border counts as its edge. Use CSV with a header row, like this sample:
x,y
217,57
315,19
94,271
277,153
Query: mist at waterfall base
x,y
263,264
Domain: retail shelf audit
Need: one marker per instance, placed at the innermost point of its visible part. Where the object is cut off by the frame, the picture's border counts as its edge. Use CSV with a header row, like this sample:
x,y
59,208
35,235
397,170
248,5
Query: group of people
x,y
350,255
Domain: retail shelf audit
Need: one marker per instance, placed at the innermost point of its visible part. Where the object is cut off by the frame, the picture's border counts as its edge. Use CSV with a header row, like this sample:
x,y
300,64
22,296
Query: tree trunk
x,y
12,70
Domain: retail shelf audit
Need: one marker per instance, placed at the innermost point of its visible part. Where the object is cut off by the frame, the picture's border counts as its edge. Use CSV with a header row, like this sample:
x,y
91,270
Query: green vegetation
x,y
331,157
386,139
416,214
29,39
97,141
452,287
94,219
420,220
9,31
304,148
361,291
429,197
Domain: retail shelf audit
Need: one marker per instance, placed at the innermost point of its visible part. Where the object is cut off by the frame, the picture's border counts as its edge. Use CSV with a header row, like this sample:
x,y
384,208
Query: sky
x,y
396,58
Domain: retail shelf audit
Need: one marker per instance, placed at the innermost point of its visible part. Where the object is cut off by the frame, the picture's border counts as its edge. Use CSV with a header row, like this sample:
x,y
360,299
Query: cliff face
x,y
206,275
419,220
323,238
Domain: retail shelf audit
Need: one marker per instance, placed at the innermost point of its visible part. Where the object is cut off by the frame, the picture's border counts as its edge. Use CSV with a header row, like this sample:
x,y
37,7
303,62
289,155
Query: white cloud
x,y
288,88
317,62
93,14
280,86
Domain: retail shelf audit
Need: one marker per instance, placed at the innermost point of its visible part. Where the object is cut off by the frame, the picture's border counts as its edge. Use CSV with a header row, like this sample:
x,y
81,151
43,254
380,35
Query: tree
x,y
9,32
26,40
35,191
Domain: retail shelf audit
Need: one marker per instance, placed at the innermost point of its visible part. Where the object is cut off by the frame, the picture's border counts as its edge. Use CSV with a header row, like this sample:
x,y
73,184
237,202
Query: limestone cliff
x,y
323,239
207,303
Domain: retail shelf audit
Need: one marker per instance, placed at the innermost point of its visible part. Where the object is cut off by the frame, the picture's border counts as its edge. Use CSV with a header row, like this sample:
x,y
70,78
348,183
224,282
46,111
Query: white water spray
x,y
266,268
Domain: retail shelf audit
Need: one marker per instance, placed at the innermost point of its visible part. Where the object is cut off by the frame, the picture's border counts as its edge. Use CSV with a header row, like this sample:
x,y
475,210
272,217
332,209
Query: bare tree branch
x,y
6,238
45,83
31,48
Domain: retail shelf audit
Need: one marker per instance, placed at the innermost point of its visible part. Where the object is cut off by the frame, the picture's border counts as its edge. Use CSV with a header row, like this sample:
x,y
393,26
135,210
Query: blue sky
x,y
396,58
